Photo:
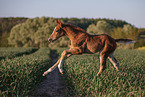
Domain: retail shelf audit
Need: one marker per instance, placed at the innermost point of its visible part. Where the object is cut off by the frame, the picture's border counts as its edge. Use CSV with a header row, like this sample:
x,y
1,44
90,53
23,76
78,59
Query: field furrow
x,y
53,85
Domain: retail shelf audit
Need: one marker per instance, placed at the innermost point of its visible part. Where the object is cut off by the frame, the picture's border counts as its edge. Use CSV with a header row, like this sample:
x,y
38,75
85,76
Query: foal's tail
x,y
126,41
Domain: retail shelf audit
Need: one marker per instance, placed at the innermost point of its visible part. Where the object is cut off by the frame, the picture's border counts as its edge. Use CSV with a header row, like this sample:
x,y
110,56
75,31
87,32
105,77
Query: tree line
x,y
34,32
6,25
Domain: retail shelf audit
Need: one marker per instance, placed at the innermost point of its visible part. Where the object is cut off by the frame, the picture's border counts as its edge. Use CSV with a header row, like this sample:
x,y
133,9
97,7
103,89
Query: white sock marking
x,y
60,66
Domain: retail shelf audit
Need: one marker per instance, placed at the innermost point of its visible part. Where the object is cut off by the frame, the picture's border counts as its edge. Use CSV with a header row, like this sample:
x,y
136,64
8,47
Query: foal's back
x,y
101,42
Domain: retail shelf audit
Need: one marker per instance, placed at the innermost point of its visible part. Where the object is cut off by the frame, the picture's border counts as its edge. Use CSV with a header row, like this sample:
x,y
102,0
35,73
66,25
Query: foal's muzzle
x,y
51,40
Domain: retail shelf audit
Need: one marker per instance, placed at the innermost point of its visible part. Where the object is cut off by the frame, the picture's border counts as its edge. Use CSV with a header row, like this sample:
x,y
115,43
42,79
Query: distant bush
x,y
128,32
34,32
102,27
6,24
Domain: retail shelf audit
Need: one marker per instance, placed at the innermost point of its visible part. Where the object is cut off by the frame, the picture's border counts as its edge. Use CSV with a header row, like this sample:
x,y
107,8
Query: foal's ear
x,y
59,23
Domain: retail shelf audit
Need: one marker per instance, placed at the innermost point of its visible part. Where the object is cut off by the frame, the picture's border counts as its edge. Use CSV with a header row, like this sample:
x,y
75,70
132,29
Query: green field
x,y
81,79
20,74
14,52
81,76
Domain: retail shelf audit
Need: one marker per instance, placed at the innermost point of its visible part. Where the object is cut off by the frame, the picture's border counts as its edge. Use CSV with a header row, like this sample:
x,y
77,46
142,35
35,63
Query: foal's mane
x,y
75,27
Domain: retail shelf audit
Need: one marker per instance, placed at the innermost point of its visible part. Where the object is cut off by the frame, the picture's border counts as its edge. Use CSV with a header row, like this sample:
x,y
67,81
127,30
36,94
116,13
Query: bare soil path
x,y
53,85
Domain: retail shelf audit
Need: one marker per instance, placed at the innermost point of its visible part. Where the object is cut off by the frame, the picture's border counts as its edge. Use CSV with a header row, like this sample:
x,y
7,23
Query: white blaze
x,y
52,32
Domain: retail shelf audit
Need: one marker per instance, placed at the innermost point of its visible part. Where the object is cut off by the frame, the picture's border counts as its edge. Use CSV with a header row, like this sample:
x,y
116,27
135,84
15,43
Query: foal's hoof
x,y
61,72
45,73
98,74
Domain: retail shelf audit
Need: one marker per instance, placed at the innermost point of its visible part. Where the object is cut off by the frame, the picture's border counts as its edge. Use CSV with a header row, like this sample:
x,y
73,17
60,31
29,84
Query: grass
x,y
81,79
140,48
18,76
11,52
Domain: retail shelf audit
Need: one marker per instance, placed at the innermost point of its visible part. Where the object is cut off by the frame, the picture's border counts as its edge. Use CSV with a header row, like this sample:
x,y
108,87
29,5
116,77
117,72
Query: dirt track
x,y
53,85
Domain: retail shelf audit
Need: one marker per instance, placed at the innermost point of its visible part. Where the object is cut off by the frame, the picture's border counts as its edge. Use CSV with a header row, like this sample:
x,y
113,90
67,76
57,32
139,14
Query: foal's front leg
x,y
52,68
60,62
65,54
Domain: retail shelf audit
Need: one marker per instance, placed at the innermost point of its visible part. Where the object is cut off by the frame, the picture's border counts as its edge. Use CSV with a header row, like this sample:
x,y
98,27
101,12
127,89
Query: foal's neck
x,y
72,32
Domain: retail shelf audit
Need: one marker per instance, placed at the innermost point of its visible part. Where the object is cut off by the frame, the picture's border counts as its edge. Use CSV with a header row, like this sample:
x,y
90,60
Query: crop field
x,y
81,79
14,52
21,70
20,74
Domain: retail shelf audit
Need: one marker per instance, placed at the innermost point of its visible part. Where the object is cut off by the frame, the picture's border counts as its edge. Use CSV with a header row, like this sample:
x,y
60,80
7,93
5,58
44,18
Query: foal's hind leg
x,y
103,58
114,62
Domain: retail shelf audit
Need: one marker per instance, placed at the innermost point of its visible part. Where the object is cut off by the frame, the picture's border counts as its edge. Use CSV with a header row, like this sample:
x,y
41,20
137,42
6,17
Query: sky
x,y
131,11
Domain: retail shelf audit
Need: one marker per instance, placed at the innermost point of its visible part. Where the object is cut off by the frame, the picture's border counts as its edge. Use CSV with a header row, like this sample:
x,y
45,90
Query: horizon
x,y
131,11
68,18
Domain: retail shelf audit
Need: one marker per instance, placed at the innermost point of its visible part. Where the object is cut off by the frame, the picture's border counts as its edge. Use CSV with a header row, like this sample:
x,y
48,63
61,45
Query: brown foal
x,y
82,42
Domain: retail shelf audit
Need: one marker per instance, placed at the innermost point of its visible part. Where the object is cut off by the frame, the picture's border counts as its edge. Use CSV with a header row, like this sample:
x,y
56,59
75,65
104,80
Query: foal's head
x,y
57,32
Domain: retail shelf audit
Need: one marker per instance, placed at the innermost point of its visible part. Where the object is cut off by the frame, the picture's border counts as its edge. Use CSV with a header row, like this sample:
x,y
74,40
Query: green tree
x,y
34,32
92,29
102,27
127,31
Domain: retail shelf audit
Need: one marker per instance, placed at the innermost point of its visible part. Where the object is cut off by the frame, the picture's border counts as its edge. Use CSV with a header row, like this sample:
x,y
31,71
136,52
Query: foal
x,y
82,42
